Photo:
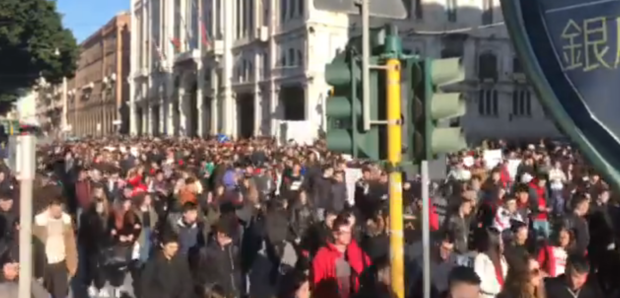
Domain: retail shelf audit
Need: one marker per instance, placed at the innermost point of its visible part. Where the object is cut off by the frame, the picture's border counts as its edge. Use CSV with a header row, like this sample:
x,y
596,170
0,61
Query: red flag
x,y
175,42
205,37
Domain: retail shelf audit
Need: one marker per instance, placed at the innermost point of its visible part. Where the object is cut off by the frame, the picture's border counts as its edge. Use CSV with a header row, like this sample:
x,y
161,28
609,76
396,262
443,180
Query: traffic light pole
x,y
365,12
426,234
394,133
25,168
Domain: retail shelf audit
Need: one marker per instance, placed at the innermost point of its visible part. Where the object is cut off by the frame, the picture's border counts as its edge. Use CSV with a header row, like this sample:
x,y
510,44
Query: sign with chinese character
x,y
570,50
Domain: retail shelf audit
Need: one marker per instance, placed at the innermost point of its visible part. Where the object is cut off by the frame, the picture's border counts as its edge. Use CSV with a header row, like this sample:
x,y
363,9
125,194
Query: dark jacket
x,y
460,227
191,237
514,253
224,269
301,218
338,196
93,232
166,278
316,237
579,226
321,192
558,287
83,193
291,186
131,225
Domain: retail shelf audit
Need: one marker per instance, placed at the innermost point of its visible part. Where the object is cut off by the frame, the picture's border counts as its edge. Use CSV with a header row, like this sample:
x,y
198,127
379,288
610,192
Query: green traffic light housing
x,y
343,107
432,105
340,108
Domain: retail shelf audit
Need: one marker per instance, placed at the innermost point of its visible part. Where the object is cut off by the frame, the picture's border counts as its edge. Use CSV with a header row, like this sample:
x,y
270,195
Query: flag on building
x,y
204,34
188,36
176,43
160,53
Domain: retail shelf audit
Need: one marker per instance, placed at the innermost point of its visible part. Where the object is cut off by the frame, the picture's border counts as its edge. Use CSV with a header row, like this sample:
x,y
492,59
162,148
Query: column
x,y
168,106
162,116
312,95
106,120
274,94
258,111
90,120
215,100
149,119
238,102
182,101
133,58
227,70
133,118
200,69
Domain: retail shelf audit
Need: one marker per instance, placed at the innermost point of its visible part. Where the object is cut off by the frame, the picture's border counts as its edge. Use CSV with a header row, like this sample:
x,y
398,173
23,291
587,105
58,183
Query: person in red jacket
x,y
540,206
552,257
338,265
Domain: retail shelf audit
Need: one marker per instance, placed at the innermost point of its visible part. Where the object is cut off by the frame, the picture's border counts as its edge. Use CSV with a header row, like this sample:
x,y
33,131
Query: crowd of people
x,y
193,218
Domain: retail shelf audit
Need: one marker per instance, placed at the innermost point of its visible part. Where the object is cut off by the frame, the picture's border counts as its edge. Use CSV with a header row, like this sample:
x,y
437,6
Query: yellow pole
x,y
396,188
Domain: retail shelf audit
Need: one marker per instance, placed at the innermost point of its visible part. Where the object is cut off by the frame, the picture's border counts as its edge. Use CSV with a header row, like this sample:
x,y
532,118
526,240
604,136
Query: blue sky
x,y
85,17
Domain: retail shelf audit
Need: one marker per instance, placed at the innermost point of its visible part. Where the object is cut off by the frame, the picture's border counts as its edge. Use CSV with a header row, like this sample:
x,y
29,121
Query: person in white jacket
x,y
506,214
490,264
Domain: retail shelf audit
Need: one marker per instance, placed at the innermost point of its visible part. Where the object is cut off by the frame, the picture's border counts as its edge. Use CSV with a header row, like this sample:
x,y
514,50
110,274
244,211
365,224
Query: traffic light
x,y
343,110
430,104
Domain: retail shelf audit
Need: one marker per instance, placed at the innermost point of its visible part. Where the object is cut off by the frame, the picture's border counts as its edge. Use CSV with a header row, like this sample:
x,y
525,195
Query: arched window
x,y
487,66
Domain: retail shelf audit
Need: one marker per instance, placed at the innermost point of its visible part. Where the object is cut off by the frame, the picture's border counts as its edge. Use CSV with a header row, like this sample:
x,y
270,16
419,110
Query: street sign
x,y
570,51
389,9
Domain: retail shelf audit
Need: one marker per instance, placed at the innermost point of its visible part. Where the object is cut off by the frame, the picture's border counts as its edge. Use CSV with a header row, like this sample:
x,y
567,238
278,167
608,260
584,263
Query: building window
x,y
291,57
300,58
265,58
250,20
419,10
250,71
292,10
488,103
487,66
487,12
451,10
155,22
517,67
239,18
283,10
522,102
244,71
266,16
193,25
217,19
301,7
453,46
178,39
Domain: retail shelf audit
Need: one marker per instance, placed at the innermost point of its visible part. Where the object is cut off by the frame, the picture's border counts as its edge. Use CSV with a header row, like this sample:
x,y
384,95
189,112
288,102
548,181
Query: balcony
x,y
192,55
